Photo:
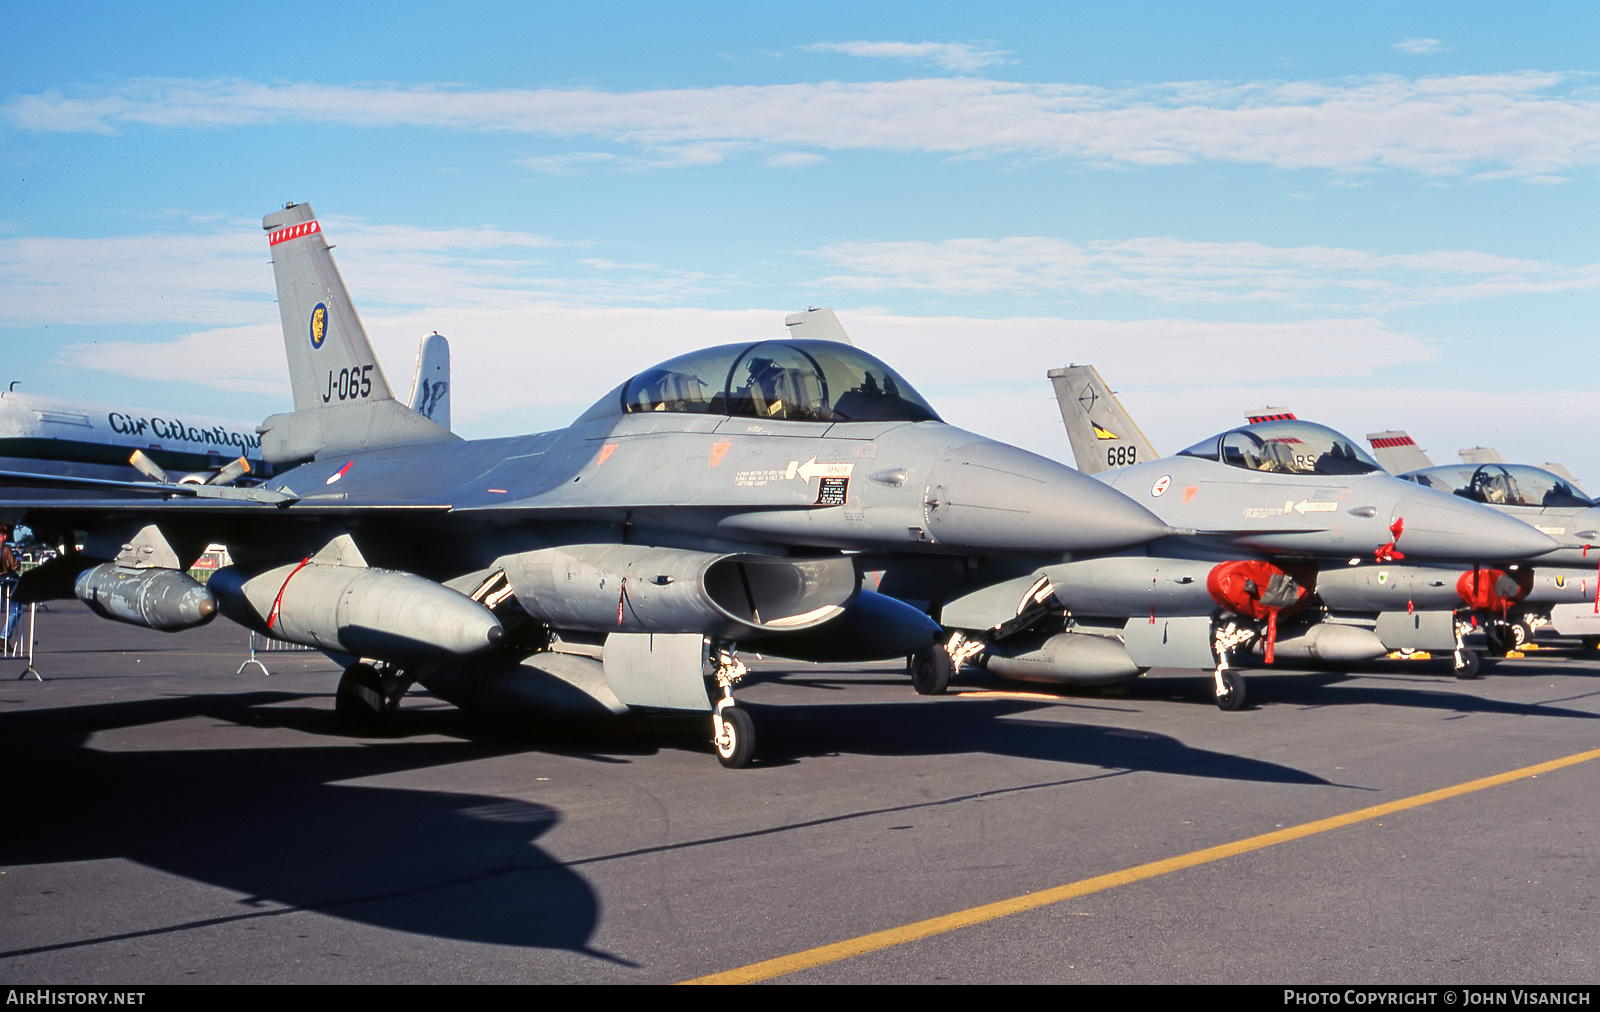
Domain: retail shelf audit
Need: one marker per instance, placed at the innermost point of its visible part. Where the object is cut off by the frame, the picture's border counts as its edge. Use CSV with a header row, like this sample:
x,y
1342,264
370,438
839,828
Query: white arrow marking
x,y
811,469
1305,506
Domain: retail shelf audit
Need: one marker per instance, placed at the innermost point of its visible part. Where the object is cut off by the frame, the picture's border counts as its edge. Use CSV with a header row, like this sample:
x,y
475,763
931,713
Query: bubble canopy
x,y
1502,484
800,381
1289,446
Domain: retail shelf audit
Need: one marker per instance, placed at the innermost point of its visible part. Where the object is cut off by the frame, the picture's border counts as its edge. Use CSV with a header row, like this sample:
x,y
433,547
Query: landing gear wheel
x,y
1498,638
931,669
736,738
1521,634
1230,694
361,701
1468,664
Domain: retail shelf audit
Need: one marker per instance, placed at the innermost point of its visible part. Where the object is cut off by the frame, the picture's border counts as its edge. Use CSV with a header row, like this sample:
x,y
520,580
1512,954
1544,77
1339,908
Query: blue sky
x,y
1378,214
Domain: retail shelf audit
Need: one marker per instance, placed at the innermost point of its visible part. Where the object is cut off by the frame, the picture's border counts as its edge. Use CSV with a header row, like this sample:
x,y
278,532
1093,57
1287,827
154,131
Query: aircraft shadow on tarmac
x,y
274,824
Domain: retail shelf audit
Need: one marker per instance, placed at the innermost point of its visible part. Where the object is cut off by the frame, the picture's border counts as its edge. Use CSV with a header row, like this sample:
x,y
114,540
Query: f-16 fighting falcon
x,y
1301,537
711,502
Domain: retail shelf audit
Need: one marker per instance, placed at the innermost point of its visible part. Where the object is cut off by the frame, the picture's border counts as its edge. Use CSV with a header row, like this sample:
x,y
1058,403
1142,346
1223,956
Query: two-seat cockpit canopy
x,y
1502,485
805,381
1287,446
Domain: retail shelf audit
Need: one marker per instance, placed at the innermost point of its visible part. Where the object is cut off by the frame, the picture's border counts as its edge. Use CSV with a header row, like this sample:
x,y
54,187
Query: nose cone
x,y
1440,526
991,497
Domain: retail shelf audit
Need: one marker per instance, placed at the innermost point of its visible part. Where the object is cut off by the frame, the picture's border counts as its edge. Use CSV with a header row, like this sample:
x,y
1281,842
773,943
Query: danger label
x,y
833,491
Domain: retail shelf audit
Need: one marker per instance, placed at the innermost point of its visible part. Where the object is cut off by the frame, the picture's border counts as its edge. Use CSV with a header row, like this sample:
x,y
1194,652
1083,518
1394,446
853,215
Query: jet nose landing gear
x,y
733,734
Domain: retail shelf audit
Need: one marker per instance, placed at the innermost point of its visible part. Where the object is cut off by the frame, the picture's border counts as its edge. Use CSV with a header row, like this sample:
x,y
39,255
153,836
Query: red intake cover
x,y
1494,589
1257,589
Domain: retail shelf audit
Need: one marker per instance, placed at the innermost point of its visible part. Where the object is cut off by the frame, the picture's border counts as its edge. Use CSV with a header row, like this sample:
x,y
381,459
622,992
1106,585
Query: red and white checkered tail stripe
x,y
1383,444
292,232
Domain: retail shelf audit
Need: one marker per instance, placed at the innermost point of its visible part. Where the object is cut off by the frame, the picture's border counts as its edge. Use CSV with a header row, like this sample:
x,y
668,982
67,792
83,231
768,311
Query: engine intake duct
x,y
632,588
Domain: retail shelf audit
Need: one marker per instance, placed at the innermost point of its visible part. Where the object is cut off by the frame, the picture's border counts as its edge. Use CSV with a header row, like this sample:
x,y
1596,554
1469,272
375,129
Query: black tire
x,y
931,669
1497,639
1468,664
1232,696
1521,634
739,732
360,701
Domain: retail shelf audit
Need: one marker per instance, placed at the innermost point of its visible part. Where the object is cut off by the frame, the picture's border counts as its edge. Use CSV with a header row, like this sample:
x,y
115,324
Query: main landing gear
x,y
366,696
931,669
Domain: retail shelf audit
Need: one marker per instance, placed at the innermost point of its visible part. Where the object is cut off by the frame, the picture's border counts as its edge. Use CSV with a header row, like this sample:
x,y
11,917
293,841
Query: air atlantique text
x,y
1448,996
172,428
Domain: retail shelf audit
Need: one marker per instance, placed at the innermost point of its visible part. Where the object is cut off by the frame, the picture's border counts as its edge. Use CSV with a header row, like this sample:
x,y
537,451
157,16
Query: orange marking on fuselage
x,y
719,450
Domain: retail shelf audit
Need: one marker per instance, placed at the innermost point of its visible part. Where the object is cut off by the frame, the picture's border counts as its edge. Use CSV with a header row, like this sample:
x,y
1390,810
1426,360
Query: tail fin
x,y
430,384
1481,455
1269,414
816,325
1103,436
342,402
1397,452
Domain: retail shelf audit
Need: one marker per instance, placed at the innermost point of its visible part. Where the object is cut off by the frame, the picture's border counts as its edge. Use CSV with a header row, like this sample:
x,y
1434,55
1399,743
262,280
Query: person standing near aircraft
x,y
10,574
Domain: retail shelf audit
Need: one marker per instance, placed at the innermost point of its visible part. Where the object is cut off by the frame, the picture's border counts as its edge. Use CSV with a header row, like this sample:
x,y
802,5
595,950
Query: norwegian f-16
x,y
711,502
1298,555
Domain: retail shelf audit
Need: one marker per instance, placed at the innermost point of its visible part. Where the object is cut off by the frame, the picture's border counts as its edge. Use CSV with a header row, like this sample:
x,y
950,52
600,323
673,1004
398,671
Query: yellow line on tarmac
x,y
824,954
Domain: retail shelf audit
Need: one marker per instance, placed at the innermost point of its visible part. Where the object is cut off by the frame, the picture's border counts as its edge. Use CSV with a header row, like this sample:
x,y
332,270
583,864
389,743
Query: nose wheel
x,y
1230,689
734,736
1467,664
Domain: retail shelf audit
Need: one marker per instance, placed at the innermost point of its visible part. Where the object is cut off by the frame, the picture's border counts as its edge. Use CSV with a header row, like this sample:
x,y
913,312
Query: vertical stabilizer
x,y
330,358
342,402
430,384
1481,455
1397,452
1269,414
816,325
1102,435
1561,471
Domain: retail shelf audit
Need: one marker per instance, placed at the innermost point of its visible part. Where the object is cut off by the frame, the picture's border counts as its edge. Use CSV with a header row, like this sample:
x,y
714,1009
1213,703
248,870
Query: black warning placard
x,y
833,491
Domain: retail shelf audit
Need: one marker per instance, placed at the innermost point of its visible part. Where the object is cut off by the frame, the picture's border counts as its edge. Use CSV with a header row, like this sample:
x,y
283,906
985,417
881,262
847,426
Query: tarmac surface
x,y
166,819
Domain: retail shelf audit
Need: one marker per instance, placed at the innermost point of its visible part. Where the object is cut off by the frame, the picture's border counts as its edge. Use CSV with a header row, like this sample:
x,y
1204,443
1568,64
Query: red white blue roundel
x,y
1161,484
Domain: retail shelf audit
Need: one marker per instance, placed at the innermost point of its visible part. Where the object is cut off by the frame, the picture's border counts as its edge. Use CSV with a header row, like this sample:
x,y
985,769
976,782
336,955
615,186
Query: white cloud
x,y
225,276
1420,47
1172,270
949,55
794,160
1524,124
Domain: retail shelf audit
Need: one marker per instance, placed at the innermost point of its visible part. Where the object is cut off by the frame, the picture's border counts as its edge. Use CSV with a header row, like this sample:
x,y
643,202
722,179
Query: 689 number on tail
x,y
1121,456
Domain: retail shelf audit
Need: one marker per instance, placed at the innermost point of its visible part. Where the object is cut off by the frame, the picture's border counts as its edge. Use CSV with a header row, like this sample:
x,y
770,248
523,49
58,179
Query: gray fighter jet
x,y
1297,526
711,502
